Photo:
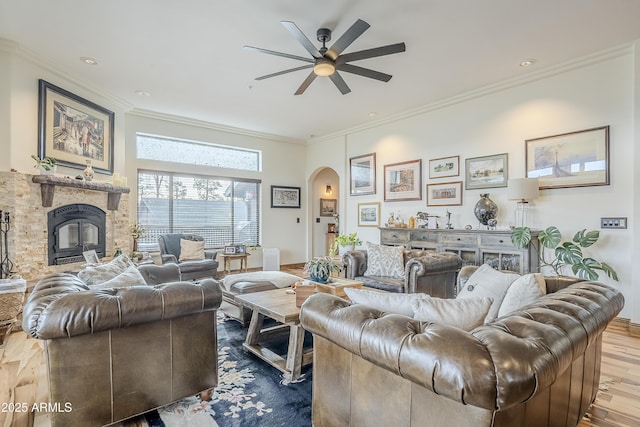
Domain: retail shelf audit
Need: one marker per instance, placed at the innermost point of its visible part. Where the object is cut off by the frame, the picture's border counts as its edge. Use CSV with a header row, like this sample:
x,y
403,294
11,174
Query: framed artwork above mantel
x,y
74,130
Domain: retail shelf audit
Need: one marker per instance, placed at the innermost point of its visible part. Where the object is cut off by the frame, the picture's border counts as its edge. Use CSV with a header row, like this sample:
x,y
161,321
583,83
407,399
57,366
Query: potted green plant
x,y
565,254
46,165
320,269
344,243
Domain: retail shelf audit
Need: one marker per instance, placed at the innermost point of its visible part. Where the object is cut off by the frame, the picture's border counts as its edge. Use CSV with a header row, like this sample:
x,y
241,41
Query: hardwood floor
x,y
23,381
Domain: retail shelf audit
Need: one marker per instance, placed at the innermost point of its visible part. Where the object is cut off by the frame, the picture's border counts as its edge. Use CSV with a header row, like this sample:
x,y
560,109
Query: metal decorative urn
x,y
485,210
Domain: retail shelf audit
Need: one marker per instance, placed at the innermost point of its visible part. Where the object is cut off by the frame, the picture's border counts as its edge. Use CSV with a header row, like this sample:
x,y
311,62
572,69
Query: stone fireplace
x,y
29,235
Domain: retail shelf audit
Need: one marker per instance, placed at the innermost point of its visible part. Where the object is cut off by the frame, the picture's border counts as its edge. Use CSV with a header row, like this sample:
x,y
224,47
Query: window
x,y
150,147
222,210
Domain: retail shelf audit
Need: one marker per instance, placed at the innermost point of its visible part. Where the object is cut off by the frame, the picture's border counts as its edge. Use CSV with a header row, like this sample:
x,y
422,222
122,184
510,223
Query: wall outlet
x,y
618,222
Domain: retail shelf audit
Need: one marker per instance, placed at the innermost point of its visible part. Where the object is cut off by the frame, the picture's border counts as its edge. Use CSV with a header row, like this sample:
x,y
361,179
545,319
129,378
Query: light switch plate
x,y
617,222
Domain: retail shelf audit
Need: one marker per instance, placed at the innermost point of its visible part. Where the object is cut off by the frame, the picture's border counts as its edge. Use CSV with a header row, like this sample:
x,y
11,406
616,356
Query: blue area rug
x,y
249,393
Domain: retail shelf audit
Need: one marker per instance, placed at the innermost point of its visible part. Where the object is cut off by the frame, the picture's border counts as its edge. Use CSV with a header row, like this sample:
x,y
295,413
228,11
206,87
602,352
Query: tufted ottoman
x,y
245,283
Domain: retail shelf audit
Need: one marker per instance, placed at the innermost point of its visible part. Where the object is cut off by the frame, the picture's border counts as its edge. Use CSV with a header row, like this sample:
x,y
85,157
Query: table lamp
x,y
523,190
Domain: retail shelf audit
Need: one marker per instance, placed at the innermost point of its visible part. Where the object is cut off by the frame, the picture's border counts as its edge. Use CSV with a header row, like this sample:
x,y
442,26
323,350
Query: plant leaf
x,y
520,237
550,237
586,239
584,271
569,253
602,266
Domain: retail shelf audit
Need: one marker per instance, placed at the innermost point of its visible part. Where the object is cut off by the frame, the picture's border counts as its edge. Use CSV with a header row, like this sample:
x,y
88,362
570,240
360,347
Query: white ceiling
x,y
188,54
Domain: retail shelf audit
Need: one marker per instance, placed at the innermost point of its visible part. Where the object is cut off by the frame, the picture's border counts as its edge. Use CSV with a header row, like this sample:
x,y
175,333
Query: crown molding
x,y
16,49
210,125
581,62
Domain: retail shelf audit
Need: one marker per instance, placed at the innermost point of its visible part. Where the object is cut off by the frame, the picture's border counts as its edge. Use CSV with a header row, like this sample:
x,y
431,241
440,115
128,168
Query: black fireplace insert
x,y
74,229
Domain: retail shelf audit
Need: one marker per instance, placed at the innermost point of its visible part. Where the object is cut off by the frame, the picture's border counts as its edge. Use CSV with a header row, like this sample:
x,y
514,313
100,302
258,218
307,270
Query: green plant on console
x,y
46,163
565,253
320,268
345,240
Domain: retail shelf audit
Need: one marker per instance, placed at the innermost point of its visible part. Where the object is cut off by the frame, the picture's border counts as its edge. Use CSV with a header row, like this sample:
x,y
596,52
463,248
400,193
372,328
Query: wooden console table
x,y
475,247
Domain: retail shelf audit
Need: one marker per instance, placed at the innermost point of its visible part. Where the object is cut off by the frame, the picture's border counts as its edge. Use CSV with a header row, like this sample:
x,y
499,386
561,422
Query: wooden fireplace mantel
x,y
48,185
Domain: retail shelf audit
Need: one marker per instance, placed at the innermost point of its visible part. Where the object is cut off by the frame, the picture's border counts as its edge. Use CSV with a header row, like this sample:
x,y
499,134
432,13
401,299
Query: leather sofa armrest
x,y
210,253
61,306
430,264
156,274
168,258
355,262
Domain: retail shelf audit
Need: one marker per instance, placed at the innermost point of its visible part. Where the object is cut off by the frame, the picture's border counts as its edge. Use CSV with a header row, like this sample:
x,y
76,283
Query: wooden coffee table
x,y
336,286
280,305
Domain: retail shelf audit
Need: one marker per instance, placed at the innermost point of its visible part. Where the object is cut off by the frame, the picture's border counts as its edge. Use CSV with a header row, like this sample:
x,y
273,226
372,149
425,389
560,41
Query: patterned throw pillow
x,y
385,261
103,272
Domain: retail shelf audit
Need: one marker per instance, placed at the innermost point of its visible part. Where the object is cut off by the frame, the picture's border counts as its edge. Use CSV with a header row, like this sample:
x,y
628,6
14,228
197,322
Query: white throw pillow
x,y
487,282
95,275
191,250
385,261
130,277
388,302
523,291
465,314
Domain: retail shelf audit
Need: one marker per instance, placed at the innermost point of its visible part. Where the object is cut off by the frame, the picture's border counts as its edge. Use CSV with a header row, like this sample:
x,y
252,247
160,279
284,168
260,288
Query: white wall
x,y
19,110
283,163
499,120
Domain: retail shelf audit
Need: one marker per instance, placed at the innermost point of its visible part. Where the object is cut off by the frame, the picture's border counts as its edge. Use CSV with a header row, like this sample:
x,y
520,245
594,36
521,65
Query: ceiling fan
x,y
327,62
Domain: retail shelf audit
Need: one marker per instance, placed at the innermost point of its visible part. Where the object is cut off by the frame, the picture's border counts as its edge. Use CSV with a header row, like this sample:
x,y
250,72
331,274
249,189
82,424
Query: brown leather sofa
x,y
115,353
538,366
425,271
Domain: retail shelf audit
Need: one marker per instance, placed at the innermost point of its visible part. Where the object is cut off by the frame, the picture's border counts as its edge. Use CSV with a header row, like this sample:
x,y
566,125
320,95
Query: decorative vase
x,y
323,279
486,209
88,173
344,249
51,171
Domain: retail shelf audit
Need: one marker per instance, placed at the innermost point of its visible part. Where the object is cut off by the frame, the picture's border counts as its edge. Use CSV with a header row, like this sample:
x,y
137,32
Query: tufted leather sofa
x,y
425,271
115,353
538,366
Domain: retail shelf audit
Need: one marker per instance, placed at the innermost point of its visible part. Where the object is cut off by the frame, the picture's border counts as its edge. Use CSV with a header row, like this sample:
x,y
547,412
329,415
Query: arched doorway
x,y
324,192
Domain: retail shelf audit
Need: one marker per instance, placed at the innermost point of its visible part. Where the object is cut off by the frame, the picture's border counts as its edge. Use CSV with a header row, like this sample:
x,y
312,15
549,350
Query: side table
x,y
230,257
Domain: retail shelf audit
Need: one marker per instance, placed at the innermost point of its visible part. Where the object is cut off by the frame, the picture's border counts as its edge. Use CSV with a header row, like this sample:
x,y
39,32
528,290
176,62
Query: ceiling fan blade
x,y
305,84
371,53
364,72
273,52
347,38
340,83
304,41
279,73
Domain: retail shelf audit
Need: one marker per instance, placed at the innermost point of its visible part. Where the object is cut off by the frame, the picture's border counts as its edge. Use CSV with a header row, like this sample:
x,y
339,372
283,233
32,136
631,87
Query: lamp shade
x,y
523,189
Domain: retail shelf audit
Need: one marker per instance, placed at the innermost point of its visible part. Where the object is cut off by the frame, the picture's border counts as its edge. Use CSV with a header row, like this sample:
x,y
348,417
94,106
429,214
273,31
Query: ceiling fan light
x,y
324,68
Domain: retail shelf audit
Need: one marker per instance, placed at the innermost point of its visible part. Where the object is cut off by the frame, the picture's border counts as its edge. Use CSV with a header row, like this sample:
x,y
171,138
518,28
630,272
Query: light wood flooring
x,y
23,380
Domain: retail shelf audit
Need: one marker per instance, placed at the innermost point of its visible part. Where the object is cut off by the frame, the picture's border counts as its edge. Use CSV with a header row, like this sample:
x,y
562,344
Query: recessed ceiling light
x,y
142,93
527,62
372,114
89,61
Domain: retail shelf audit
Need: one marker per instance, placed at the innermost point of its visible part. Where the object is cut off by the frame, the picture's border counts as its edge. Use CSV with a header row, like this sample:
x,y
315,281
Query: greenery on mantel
x,y
565,253
46,163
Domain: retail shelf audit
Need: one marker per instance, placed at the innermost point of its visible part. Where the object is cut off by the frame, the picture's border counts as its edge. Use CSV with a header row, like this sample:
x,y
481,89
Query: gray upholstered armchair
x,y
170,251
